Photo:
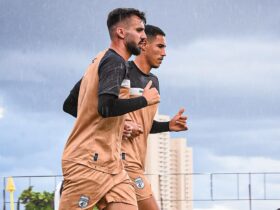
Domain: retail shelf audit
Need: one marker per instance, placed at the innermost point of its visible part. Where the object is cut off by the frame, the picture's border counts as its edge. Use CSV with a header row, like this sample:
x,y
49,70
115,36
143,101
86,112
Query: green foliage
x,y
37,200
95,208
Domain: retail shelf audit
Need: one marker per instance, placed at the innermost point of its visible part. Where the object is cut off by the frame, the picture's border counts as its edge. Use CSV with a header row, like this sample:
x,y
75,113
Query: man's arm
x,y
159,127
110,105
70,105
177,123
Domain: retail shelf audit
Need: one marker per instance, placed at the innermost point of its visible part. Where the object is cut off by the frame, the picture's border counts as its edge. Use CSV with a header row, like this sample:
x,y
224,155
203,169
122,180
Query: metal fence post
x,y
4,193
264,186
237,179
211,186
250,193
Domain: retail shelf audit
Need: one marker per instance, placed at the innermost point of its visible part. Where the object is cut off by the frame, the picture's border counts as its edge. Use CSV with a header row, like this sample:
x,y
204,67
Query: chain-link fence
x,y
178,191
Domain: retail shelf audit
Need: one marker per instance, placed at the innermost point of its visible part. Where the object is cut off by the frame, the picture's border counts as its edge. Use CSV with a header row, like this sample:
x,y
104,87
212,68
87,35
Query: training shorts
x,y
84,187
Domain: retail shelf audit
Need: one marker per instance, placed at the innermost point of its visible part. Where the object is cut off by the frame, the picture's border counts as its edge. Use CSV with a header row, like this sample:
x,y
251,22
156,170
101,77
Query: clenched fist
x,y
151,94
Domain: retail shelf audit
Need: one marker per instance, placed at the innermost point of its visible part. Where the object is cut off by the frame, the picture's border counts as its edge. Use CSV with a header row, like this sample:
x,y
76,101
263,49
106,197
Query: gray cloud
x,y
237,137
33,140
236,65
33,24
40,80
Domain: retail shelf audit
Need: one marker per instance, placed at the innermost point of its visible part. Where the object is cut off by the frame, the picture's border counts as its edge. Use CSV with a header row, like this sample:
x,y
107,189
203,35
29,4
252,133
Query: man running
x,y
91,163
134,149
134,145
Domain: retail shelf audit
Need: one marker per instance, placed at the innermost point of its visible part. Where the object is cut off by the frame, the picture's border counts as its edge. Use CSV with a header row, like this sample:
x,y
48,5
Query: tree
x,y
37,200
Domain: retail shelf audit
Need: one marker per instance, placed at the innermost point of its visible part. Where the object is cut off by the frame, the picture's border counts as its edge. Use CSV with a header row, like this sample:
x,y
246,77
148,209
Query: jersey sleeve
x,y
155,82
111,73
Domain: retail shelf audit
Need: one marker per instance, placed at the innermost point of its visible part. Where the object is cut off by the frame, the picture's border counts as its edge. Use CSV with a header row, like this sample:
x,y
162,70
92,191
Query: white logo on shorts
x,y
83,202
139,183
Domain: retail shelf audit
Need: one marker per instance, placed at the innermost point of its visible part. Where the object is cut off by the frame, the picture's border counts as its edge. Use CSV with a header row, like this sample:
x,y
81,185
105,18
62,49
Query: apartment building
x,y
168,165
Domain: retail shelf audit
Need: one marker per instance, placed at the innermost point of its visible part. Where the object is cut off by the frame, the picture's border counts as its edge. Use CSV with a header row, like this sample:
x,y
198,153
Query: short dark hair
x,y
119,14
152,31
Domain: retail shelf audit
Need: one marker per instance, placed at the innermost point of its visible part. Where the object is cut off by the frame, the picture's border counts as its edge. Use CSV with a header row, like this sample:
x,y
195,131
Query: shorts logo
x,y
139,183
83,202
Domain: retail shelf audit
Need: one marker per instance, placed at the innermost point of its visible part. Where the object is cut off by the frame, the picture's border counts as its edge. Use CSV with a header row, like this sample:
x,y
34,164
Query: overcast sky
x,y
222,65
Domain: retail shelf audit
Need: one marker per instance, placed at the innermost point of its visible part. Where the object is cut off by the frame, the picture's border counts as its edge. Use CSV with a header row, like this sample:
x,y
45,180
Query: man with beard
x,y
134,144
92,167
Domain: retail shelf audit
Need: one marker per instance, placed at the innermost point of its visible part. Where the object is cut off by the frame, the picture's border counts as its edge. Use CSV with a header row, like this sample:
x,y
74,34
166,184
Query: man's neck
x,y
121,50
142,64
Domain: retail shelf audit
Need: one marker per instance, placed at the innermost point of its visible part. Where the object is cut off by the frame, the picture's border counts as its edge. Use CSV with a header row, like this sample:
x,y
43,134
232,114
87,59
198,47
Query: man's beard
x,y
155,66
133,48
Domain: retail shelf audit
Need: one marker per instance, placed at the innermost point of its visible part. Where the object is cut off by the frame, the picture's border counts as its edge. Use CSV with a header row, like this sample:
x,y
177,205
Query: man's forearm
x,y
112,106
159,127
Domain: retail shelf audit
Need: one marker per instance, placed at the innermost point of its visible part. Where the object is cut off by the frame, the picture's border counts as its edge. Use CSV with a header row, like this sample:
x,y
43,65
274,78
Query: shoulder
x,y
111,59
154,78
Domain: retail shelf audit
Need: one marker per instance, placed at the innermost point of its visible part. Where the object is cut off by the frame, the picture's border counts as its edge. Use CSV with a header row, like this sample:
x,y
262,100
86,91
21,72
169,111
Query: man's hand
x,y
151,94
178,122
126,131
131,130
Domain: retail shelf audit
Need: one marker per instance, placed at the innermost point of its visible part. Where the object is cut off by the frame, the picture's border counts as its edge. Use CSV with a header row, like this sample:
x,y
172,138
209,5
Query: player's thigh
x,y
141,185
120,206
121,194
148,204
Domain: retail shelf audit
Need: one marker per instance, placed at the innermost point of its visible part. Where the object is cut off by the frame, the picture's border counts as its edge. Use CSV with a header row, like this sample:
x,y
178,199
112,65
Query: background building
x,y
182,166
168,163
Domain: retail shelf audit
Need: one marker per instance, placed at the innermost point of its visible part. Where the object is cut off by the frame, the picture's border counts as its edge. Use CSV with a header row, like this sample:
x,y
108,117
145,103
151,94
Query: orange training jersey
x,y
96,141
134,151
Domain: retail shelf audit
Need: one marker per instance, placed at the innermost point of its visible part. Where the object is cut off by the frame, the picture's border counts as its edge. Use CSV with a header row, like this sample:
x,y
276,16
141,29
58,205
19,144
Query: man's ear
x,y
144,45
120,32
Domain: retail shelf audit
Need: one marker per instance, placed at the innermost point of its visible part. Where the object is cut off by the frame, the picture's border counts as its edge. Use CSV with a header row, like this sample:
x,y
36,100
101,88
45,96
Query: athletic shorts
x,y
141,185
84,187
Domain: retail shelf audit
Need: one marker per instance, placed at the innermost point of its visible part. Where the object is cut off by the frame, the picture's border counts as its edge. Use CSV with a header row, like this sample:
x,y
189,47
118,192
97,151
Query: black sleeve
x,y
111,72
70,105
111,105
156,84
159,127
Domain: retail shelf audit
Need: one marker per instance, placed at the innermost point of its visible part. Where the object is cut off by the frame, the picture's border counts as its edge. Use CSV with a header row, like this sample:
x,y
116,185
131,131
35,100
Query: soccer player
x,y
134,149
134,144
92,167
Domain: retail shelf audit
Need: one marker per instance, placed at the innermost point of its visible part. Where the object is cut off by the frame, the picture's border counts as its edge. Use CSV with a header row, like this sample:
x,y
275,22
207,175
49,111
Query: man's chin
x,y
155,66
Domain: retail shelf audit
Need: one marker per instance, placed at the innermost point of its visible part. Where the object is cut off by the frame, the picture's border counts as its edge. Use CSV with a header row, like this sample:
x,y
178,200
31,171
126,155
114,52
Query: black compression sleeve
x,y
111,105
70,105
159,127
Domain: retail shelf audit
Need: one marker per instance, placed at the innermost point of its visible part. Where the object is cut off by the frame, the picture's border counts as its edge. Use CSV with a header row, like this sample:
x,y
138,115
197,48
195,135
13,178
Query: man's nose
x,y
143,35
163,53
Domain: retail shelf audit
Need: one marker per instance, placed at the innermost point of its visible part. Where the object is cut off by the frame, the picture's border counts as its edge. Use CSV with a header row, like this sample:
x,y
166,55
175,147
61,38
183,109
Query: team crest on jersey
x,y
139,183
83,202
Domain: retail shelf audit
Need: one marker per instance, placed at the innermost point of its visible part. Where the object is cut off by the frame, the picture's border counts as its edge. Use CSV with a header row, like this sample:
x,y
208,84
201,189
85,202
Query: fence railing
x,y
198,187
40,183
